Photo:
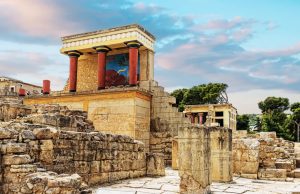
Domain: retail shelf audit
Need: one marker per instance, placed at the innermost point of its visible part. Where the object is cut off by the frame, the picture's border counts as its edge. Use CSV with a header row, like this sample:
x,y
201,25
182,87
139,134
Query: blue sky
x,y
252,45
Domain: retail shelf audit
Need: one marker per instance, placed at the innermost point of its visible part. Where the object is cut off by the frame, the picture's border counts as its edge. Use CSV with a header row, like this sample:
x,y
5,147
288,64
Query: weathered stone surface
x,y
194,159
245,156
272,174
16,159
45,133
155,164
7,133
221,154
268,158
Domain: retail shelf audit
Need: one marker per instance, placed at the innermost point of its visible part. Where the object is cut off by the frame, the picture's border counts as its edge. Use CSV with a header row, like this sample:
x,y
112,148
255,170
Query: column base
x,y
46,93
72,90
132,84
101,88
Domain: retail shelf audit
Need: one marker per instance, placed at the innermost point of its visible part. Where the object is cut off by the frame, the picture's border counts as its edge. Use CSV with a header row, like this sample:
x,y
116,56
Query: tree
x,y
243,122
274,118
179,94
295,117
295,106
272,104
212,93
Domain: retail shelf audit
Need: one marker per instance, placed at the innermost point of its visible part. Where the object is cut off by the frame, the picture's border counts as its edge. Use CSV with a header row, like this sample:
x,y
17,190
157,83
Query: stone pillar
x,y
194,159
46,86
22,92
175,153
155,164
133,61
73,70
102,51
200,114
221,154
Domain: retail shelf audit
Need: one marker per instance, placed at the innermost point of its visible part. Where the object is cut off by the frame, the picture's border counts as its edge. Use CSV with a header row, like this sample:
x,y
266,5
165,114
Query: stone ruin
x,y
263,156
51,149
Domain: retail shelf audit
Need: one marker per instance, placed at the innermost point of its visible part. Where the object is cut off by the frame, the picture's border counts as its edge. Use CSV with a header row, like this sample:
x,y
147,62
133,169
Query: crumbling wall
x,y
263,156
221,154
194,159
245,157
38,148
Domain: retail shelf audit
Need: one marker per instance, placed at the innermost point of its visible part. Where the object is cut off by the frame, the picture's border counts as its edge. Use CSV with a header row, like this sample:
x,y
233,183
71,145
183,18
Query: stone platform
x,y
170,185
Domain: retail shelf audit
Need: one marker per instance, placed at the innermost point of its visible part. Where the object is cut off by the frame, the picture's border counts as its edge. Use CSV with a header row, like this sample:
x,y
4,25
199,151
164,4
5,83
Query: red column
x,y
102,52
22,92
73,70
46,86
133,62
200,118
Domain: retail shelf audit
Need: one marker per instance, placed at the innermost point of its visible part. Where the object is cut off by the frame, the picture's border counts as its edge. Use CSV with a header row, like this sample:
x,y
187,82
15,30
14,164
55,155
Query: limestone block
x,y
16,159
155,164
272,174
7,133
15,148
45,133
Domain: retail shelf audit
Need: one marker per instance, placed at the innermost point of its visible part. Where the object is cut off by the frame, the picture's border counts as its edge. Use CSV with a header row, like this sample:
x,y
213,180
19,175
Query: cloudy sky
x,y
252,45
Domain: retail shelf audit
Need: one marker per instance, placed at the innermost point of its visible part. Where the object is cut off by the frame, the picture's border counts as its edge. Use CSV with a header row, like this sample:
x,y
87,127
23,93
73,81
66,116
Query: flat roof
x,y
109,30
207,105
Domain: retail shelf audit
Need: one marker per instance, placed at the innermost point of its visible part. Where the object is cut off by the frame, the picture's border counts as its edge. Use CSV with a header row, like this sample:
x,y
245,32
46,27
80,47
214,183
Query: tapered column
x,y
200,118
102,52
46,86
22,92
73,70
133,61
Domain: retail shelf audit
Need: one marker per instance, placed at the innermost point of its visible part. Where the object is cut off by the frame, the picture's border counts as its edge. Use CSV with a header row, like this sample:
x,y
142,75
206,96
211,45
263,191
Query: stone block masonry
x,y
38,149
263,156
194,160
221,154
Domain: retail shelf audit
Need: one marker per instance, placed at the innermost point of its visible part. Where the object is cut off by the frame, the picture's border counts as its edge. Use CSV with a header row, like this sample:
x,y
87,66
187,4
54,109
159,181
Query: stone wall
x,y
194,159
221,154
263,156
123,111
165,120
37,148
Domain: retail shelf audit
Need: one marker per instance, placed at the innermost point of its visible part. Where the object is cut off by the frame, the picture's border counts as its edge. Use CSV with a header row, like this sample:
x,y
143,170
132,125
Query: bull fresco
x,y
117,69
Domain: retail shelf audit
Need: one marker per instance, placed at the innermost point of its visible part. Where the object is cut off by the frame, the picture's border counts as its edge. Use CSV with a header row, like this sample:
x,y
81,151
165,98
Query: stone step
x,y
297,173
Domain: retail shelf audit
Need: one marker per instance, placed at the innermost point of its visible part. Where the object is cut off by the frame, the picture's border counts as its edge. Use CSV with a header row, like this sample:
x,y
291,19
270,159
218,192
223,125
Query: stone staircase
x,y
165,120
297,154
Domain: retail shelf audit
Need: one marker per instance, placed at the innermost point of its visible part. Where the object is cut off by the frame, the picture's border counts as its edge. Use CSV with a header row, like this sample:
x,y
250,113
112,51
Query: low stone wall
x,y
221,154
194,159
245,157
263,156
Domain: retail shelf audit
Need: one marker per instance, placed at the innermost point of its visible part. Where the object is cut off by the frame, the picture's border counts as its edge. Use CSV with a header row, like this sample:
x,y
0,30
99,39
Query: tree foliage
x,y
274,104
243,122
212,93
274,117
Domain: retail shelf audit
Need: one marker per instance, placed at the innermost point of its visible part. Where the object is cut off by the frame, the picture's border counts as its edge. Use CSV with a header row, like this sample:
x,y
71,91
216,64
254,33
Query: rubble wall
x,y
263,156
53,141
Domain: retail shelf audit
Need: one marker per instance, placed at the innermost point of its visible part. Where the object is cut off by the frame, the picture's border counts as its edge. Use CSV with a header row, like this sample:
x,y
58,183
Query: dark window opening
x,y
221,122
219,114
